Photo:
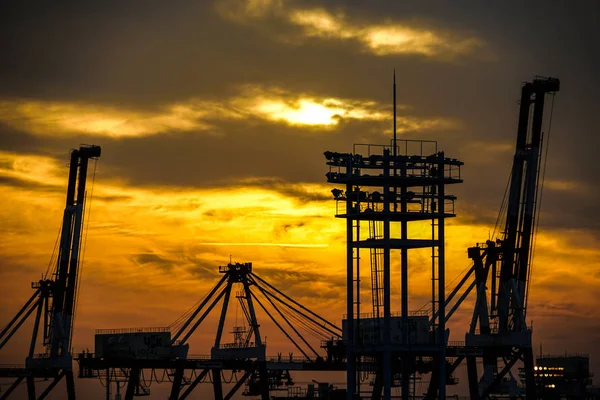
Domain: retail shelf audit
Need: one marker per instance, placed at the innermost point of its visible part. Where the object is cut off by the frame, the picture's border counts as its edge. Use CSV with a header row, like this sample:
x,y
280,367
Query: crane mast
x,y
55,296
503,334
516,244
65,283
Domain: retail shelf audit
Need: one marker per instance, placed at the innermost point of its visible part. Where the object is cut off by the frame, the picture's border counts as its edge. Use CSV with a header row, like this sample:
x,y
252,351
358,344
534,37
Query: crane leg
x,y
11,388
217,385
530,393
472,375
30,388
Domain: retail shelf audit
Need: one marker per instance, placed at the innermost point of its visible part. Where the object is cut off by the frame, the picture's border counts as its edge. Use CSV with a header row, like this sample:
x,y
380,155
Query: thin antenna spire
x,y
395,147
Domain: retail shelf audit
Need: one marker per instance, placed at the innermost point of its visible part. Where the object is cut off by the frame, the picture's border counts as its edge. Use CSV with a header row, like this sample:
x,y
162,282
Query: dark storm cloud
x,y
154,260
264,151
143,57
202,268
24,184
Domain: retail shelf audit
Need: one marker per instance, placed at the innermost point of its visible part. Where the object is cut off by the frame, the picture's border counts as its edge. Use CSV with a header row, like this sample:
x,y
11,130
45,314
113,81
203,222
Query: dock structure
x,y
382,189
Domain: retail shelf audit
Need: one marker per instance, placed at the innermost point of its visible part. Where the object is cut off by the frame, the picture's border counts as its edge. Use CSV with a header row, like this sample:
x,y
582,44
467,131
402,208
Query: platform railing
x,y
132,330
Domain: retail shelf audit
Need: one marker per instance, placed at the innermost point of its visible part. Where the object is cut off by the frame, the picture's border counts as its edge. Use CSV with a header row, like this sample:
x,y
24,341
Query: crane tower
x,y
54,297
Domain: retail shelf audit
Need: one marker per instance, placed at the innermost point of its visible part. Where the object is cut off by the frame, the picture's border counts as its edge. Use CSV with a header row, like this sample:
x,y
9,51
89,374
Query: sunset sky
x,y
213,118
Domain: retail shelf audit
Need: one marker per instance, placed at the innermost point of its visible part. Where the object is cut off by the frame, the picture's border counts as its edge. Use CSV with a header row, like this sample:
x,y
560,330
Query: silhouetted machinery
x,y
498,333
136,357
386,184
394,349
54,297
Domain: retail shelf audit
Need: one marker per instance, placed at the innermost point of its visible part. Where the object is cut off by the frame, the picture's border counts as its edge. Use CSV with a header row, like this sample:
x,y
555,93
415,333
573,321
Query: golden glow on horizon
x,y
173,239
306,113
276,104
301,245
311,111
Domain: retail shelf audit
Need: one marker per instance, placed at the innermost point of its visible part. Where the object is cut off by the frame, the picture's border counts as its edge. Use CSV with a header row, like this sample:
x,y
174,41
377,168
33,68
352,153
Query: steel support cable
x,y
300,312
179,322
169,375
319,334
288,322
52,264
208,310
313,330
146,384
248,320
225,380
268,294
295,302
83,239
503,207
158,381
246,313
278,325
144,378
307,328
539,204
195,313
100,379
176,324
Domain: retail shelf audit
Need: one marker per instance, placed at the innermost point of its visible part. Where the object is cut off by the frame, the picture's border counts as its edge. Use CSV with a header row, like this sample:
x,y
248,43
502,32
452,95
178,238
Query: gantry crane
x,y
498,332
54,297
137,357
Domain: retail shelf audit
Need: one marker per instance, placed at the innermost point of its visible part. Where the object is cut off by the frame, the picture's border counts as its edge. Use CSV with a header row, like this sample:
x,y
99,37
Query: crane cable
x,y
175,325
52,263
83,248
539,204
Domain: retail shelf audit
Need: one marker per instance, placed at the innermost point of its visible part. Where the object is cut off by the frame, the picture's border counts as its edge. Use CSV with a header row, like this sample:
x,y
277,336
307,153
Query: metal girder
x,y
176,386
498,378
217,385
472,377
16,327
132,382
12,388
195,313
16,317
238,384
52,385
194,383
30,388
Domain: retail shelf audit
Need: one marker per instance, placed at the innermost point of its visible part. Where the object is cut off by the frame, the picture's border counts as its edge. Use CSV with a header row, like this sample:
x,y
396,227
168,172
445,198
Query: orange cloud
x,y
270,104
381,39
385,39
